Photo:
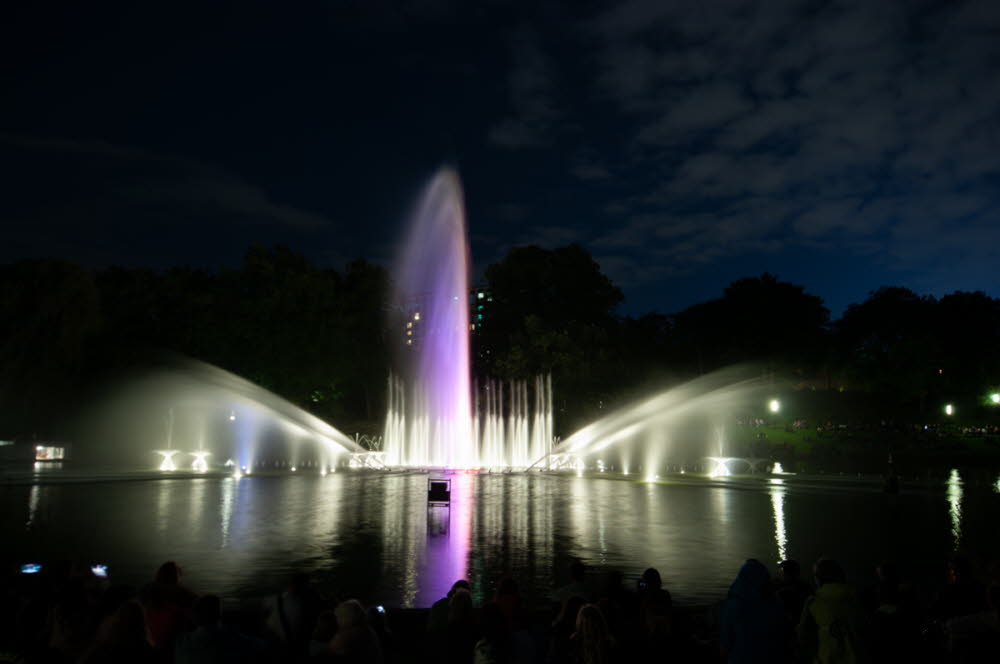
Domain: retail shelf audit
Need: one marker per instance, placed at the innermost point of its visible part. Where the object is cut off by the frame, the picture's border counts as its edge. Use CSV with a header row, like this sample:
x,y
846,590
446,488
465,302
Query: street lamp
x,y
949,409
774,406
995,398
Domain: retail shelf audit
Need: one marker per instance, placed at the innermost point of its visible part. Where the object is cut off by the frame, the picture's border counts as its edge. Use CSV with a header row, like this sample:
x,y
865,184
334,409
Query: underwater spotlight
x,y
167,464
199,464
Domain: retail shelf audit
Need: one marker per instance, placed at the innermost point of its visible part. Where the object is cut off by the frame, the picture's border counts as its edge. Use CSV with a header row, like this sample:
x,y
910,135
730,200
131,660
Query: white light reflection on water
x,y
777,492
229,486
163,500
33,497
954,494
196,502
404,532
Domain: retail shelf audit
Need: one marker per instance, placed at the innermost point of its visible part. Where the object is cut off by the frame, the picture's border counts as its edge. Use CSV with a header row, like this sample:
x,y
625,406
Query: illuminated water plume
x,y
433,419
167,464
681,423
218,414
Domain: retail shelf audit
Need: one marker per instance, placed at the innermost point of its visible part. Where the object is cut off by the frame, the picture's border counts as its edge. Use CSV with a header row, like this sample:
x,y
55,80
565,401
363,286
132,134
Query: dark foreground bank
x,y
64,614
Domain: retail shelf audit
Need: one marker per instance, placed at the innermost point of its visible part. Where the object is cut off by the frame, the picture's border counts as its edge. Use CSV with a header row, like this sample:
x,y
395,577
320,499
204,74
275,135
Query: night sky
x,y
841,145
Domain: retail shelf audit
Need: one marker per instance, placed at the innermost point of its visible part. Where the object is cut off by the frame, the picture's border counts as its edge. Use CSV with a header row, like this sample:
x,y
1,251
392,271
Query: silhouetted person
x,y
592,641
831,628
355,641
210,642
752,624
323,633
462,633
121,638
657,625
963,595
379,623
576,586
70,621
561,633
894,618
437,619
292,614
975,637
495,645
791,590
167,604
508,599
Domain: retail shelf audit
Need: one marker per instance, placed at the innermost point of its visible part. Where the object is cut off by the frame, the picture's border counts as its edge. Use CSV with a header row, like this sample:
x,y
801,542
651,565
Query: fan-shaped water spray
x,y
209,417
684,423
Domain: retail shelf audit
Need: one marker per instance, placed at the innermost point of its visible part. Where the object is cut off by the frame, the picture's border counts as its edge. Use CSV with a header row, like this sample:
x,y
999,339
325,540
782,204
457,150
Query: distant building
x,y
480,299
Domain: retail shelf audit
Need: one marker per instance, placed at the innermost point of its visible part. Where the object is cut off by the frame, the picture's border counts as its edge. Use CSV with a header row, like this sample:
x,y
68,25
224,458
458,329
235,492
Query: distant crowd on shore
x,y
60,616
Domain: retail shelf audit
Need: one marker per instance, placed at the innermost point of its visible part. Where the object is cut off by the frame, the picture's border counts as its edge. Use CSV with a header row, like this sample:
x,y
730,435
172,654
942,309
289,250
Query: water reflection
x,y
196,505
226,508
777,491
374,537
447,556
163,500
954,495
33,497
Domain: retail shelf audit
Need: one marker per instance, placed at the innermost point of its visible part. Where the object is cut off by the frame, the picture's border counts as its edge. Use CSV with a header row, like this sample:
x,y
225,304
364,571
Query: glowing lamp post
x,y
995,398
949,409
774,406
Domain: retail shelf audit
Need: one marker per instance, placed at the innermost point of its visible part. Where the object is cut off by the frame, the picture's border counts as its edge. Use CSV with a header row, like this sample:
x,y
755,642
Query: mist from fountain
x,y
679,424
207,414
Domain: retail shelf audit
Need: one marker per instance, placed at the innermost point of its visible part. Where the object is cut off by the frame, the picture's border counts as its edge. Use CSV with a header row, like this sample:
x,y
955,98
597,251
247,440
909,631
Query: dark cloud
x,y
532,96
94,199
761,127
680,142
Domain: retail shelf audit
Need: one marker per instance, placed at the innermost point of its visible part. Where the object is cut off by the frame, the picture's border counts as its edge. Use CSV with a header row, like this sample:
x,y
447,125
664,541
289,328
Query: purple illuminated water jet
x,y
431,421
433,284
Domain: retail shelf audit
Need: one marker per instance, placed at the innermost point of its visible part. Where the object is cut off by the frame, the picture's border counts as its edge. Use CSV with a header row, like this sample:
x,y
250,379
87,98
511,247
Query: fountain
x,y
433,420
210,414
679,424
436,417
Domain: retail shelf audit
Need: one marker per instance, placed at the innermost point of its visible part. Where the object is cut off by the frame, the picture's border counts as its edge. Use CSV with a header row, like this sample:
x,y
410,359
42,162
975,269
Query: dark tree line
x,y
316,337
326,339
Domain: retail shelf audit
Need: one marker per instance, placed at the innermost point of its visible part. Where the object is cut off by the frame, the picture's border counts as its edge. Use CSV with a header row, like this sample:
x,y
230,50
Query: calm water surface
x,y
373,535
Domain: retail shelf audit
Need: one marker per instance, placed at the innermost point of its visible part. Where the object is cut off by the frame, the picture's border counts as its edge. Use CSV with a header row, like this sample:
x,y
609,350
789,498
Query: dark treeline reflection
x,y
327,339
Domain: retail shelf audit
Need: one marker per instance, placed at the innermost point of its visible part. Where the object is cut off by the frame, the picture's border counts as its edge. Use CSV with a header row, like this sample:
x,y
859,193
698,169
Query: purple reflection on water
x,y
449,533
433,282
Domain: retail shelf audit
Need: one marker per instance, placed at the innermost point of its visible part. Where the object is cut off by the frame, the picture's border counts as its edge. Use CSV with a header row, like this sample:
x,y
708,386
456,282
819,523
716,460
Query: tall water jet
x,y
432,420
432,285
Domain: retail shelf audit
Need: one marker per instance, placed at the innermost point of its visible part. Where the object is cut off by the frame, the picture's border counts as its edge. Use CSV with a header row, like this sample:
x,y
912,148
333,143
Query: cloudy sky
x,y
840,145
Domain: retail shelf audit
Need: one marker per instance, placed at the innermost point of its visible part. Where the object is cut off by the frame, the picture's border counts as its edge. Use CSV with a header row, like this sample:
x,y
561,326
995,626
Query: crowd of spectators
x,y
61,616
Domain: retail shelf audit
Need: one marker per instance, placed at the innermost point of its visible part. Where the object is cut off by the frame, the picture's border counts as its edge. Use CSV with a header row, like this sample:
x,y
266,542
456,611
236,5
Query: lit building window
x,y
49,453
472,326
409,324
409,333
409,342
480,295
416,316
